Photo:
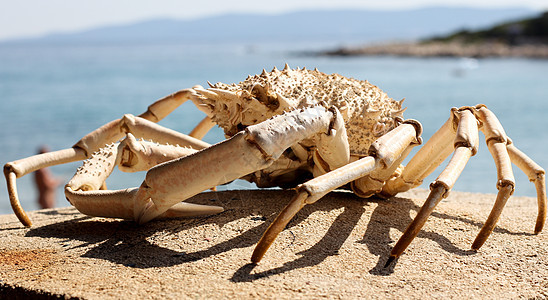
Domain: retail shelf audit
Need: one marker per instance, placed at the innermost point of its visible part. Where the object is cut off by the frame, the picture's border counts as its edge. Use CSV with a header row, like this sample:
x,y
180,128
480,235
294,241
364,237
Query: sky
x,y
31,18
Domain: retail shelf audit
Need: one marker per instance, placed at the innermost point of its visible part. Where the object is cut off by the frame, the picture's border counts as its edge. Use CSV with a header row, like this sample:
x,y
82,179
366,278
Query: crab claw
x,y
120,204
103,203
145,210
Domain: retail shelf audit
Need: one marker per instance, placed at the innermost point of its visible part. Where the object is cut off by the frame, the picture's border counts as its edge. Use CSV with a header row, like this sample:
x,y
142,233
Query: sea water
x,y
54,95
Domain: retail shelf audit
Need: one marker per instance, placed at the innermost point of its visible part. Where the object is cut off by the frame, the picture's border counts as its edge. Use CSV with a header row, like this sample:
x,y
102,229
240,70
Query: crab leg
x,y
384,153
87,145
163,107
106,134
253,149
142,128
425,161
536,175
496,140
22,167
466,145
84,148
129,155
202,128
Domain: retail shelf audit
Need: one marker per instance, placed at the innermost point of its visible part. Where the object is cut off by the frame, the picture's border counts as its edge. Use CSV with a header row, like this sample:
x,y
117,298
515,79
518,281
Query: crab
x,y
290,128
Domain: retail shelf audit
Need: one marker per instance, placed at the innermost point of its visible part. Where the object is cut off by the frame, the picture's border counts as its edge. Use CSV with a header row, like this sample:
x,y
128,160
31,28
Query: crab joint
x,y
390,150
143,155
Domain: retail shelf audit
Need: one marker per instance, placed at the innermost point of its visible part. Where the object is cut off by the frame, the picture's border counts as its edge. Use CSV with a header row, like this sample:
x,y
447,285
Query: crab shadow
x,y
133,245
129,244
393,213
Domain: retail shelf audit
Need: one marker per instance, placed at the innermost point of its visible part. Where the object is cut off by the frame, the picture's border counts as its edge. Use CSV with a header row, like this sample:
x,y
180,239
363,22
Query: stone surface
x,y
335,248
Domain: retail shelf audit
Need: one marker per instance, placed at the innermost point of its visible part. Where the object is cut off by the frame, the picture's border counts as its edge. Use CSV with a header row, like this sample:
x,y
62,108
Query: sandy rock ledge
x,y
333,249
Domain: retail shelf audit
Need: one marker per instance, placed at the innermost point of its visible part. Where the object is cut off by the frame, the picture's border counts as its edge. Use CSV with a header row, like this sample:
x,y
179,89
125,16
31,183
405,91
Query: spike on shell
x,y
398,113
401,102
286,67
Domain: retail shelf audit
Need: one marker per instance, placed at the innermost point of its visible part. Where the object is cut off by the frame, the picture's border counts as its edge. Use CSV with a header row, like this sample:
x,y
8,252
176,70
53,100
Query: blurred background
x,y
68,67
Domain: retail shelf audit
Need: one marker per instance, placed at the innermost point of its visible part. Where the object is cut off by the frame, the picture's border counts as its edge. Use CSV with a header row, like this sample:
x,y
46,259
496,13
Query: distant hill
x,y
522,38
526,31
327,27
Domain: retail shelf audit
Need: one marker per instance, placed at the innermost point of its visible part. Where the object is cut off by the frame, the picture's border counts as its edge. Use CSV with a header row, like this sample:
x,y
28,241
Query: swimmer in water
x,y
46,184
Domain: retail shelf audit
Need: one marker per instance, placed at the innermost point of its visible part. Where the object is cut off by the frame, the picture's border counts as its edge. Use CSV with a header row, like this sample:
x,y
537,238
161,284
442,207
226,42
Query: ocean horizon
x,y
54,95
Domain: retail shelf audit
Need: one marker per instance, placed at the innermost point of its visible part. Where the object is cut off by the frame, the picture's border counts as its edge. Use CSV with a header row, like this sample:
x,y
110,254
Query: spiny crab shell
x,y
367,111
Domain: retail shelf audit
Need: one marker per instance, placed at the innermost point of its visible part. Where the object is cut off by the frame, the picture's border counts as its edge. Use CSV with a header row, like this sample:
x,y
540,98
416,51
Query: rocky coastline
x,y
444,49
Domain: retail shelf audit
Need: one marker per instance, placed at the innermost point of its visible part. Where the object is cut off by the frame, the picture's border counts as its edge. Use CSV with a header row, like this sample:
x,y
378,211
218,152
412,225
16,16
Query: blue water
x,y
54,95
